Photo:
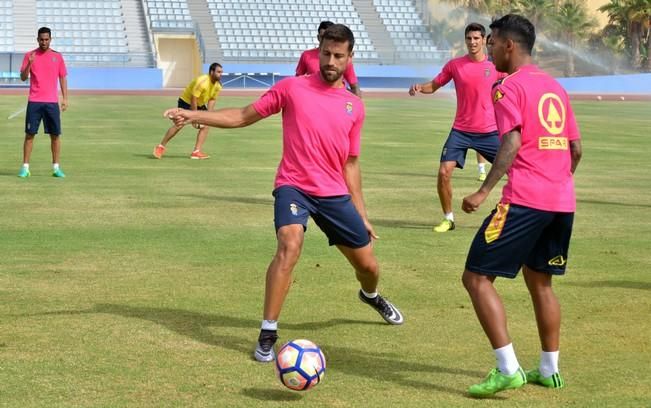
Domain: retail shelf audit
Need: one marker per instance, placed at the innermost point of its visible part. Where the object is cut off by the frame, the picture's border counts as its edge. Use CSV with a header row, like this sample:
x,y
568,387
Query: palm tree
x,y
572,23
537,11
628,14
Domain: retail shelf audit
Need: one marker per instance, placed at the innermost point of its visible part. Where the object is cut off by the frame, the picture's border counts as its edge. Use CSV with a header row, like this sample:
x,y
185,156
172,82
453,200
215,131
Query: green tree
x,y
572,24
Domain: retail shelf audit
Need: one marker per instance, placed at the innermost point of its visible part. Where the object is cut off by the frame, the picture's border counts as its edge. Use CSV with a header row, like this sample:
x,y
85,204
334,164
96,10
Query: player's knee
x,y
470,281
369,267
445,173
289,250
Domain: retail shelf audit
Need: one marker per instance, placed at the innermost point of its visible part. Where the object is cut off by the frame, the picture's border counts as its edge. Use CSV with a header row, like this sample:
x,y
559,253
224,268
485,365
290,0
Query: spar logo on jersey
x,y
551,113
349,108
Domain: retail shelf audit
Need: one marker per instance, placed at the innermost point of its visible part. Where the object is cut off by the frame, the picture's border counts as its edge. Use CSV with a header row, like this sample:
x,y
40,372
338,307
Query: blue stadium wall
x,y
370,76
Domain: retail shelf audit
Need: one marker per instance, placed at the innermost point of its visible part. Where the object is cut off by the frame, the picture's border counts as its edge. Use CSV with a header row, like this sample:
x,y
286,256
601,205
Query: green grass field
x,y
139,282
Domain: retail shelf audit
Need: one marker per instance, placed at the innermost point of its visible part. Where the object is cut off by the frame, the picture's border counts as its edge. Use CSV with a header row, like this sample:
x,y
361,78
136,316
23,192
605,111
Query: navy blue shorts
x,y
513,235
184,105
48,112
459,142
336,216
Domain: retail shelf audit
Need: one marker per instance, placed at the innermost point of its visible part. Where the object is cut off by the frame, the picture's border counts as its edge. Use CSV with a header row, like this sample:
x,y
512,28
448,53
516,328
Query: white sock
x,y
482,167
26,166
55,166
548,363
507,362
269,325
449,216
370,295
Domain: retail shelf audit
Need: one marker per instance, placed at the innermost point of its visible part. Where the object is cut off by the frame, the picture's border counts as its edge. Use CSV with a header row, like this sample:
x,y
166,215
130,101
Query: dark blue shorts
x,y
513,235
336,216
459,142
184,105
48,112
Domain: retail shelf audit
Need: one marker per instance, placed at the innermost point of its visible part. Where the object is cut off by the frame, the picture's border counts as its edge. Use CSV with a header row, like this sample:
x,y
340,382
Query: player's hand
x,y
179,116
371,231
472,202
414,89
64,104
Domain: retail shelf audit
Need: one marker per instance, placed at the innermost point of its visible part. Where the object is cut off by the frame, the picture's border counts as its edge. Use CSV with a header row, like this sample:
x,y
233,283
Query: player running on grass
x,y
474,124
319,176
532,224
200,94
44,67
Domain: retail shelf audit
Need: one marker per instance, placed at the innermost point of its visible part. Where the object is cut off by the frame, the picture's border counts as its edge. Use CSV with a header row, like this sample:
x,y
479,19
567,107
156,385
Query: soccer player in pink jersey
x,y
474,125
44,67
531,226
308,64
319,176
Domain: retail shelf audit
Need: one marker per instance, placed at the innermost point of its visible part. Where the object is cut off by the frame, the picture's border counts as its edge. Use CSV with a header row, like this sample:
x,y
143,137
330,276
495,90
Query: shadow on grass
x,y
237,200
613,284
386,368
267,394
400,224
617,204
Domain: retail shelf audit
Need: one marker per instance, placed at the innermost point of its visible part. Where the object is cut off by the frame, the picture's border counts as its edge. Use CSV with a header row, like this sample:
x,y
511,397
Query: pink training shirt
x,y
540,177
309,64
473,81
44,75
321,129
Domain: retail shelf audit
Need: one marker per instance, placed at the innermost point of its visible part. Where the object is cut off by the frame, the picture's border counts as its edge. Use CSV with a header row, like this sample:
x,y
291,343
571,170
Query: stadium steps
x,y
377,32
25,26
201,15
140,45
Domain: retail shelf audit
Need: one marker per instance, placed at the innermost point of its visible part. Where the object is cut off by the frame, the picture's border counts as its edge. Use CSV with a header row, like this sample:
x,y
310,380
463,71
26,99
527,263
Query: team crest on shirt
x,y
551,113
349,108
497,96
294,209
487,72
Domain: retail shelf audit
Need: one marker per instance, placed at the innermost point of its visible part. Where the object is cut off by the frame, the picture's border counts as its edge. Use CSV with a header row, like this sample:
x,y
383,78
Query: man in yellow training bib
x,y
200,94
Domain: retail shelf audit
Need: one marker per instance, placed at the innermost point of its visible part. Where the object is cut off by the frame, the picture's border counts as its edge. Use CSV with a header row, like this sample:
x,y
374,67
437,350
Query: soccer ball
x,y
300,365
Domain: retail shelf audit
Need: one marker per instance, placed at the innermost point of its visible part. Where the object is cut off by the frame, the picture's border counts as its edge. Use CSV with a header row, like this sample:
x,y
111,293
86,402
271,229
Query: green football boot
x,y
496,381
58,173
24,173
553,381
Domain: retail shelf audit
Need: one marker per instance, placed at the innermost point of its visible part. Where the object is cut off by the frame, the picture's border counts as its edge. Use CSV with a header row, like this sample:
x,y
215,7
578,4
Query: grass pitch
x,y
139,282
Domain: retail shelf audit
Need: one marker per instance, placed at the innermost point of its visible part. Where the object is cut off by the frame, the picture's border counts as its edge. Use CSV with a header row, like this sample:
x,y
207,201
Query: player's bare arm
x,y
24,74
576,151
223,118
63,82
424,88
353,177
509,148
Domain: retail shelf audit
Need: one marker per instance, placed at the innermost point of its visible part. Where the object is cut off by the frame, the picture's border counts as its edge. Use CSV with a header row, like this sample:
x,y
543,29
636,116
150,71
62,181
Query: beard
x,y
330,75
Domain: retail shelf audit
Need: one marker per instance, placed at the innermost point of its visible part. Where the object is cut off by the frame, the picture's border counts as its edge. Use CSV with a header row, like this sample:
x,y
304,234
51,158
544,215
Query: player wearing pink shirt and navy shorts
x,y
308,63
45,67
319,176
474,124
530,228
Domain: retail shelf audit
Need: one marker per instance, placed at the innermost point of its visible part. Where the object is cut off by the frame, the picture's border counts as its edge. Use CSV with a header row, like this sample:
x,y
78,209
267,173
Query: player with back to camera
x,y
474,124
44,67
200,94
531,226
319,176
309,64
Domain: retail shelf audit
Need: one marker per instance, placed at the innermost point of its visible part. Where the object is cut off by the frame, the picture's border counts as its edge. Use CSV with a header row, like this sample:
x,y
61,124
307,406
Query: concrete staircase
x,y
26,27
377,32
138,38
201,16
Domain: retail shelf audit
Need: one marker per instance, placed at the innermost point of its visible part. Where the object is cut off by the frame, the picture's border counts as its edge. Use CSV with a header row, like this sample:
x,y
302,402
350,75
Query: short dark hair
x,y
325,25
45,30
475,27
517,28
214,66
339,33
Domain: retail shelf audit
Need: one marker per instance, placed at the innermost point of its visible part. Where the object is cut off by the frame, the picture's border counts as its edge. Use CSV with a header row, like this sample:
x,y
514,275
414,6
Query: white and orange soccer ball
x,y
300,365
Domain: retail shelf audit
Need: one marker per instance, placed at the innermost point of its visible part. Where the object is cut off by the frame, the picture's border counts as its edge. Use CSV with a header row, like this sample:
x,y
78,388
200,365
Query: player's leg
x,y
52,125
481,167
499,248
548,259
28,146
202,134
159,150
291,211
33,117
452,156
